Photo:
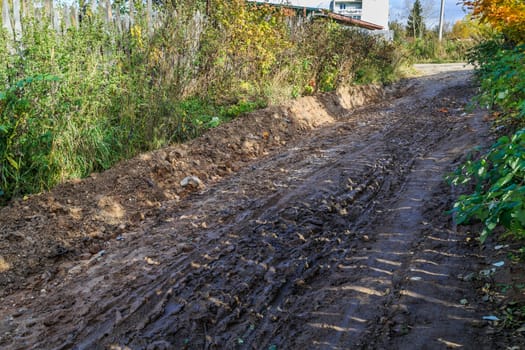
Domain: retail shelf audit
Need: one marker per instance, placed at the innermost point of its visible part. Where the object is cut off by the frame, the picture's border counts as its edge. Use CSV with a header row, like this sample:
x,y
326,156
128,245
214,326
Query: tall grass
x,y
76,101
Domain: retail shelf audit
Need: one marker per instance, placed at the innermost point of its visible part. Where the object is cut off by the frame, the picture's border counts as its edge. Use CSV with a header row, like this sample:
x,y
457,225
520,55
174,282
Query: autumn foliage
x,y
506,16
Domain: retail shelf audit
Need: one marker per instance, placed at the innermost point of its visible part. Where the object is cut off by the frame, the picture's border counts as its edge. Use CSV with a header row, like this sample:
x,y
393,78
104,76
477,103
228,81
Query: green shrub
x,y
499,176
499,196
501,73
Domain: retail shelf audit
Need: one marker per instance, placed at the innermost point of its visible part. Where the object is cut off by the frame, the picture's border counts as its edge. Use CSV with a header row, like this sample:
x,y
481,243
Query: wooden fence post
x,y
131,13
48,11
109,14
74,16
17,20
56,19
149,19
24,9
6,18
118,20
94,7
67,18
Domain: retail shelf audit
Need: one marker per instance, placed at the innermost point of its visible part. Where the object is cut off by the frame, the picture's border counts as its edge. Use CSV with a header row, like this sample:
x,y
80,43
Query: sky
x,y
399,11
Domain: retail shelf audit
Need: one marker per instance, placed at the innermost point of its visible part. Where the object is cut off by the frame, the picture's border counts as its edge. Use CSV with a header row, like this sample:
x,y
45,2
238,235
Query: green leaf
x,y
520,216
502,182
461,217
483,236
503,140
13,162
214,122
506,219
482,171
514,164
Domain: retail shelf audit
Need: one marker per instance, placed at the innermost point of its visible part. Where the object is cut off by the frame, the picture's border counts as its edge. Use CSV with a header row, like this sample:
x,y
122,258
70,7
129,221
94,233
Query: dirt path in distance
x,y
330,235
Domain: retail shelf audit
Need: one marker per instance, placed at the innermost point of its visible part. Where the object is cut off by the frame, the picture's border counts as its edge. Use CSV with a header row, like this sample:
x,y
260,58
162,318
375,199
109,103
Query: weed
x,y
79,100
499,197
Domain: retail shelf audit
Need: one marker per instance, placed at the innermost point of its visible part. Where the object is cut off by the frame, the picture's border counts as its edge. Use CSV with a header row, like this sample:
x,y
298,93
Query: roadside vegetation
x,y
77,98
420,44
498,176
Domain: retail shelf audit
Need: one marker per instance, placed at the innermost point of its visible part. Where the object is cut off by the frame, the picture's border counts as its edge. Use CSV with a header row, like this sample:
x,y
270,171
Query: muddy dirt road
x,y
332,236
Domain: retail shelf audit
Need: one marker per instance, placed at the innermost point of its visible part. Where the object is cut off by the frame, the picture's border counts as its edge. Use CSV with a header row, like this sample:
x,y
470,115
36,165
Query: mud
x,y
321,226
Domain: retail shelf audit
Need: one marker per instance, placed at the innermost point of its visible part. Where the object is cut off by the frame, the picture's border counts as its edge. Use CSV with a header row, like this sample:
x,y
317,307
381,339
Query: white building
x,y
373,11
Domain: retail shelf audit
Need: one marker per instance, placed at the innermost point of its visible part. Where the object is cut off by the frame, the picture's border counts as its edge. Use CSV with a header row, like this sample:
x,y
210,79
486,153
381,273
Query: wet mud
x,y
314,233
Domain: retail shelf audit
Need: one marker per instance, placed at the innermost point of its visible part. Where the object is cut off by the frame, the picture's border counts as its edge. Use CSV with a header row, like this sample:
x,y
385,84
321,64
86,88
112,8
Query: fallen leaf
x,y
150,261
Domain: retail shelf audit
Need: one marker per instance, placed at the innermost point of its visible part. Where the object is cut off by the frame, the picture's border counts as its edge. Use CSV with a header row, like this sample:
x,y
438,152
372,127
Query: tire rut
x,y
311,247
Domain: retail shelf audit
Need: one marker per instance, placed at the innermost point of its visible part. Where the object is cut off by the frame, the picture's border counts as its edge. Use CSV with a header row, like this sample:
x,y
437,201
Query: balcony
x,y
350,12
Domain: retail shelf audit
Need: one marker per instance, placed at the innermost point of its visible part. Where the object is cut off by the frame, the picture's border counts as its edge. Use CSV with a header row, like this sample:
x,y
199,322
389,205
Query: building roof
x,y
355,22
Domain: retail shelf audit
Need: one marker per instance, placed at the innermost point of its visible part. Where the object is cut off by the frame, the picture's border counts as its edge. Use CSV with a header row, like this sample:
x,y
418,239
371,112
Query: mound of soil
x,y
76,219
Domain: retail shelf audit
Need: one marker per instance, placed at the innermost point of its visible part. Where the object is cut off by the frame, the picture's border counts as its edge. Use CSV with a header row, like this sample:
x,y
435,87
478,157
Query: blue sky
x,y
399,11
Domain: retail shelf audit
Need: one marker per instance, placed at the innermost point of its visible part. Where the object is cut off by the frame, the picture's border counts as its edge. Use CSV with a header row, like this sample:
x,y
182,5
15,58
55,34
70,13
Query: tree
x,y
399,30
415,22
469,28
506,16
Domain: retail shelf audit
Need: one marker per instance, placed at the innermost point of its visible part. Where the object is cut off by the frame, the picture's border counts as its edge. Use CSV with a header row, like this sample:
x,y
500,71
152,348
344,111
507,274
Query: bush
x,y
499,175
79,99
501,73
499,196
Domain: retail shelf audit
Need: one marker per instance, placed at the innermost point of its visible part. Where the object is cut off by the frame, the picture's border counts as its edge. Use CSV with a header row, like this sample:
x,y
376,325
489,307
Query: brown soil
x,y
319,225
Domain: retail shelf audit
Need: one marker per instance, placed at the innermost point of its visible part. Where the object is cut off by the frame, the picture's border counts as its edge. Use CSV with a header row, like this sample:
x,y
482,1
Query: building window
x,y
342,6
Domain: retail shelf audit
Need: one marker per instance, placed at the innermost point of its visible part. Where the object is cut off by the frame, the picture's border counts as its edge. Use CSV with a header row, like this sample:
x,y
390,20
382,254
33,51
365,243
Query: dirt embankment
x,y
76,220
320,225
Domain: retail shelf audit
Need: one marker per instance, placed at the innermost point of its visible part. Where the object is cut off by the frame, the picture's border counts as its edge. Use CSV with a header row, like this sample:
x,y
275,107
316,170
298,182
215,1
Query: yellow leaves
x,y
12,162
155,56
506,16
469,28
136,33
252,33
246,86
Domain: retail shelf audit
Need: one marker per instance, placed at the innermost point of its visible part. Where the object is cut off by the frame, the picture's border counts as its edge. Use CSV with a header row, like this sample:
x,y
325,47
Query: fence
x,y
119,16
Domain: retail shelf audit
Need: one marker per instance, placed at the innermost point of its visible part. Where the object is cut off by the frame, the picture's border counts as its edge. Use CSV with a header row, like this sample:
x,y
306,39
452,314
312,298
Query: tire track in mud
x,y
308,248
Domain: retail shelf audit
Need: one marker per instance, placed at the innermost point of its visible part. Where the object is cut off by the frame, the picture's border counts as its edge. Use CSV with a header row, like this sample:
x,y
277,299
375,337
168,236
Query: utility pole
x,y
441,18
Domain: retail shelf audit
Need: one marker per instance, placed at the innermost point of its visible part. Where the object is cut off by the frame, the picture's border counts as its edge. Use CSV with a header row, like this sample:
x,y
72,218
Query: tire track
x,y
309,248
